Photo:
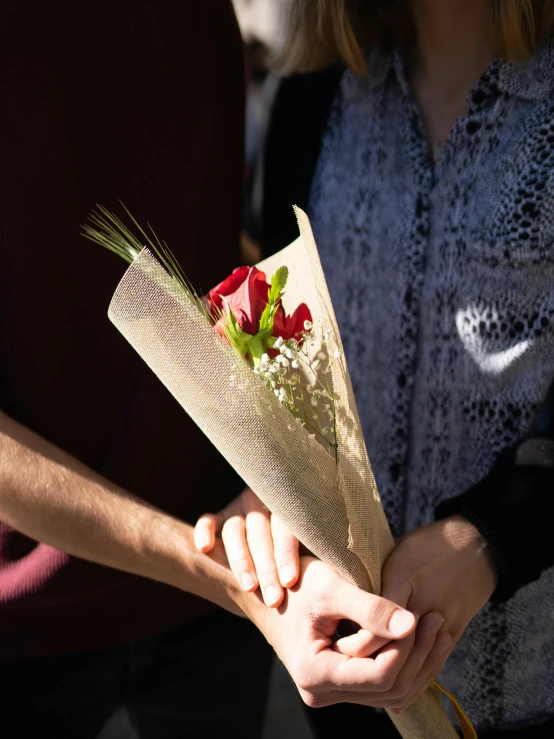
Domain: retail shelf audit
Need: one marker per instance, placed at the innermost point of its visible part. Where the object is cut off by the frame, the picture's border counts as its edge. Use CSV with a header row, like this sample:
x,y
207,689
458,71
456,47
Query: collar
x,y
532,79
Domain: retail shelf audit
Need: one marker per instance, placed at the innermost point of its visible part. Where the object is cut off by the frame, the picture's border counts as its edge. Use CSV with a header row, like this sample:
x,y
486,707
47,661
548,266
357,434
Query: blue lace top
x,y
442,278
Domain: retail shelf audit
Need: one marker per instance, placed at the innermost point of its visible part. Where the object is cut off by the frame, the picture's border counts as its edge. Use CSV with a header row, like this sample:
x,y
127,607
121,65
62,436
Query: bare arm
x,y
53,498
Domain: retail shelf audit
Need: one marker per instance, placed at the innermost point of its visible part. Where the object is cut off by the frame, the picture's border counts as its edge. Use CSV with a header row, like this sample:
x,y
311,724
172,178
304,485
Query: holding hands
x,y
440,575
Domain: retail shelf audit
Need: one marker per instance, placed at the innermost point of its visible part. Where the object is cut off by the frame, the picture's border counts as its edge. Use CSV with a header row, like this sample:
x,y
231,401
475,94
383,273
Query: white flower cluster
x,y
302,382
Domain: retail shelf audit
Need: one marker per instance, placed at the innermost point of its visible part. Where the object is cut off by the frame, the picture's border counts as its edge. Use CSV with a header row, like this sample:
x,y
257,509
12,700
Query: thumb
x,y
378,615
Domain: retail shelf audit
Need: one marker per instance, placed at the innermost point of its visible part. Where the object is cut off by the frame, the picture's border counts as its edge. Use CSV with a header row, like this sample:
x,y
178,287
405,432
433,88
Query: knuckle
x,y
375,610
284,553
239,564
312,700
384,681
266,571
257,540
398,693
302,678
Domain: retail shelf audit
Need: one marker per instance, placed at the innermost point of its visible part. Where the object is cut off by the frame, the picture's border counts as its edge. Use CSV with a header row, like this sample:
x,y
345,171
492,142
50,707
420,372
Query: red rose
x,y
246,293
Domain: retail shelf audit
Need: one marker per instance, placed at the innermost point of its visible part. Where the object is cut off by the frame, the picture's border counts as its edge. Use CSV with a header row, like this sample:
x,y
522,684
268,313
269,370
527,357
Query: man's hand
x,y
263,553
302,632
441,572
53,498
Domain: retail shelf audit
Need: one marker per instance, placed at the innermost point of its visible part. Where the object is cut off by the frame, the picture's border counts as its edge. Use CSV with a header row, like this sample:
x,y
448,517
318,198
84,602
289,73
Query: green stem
x,y
256,349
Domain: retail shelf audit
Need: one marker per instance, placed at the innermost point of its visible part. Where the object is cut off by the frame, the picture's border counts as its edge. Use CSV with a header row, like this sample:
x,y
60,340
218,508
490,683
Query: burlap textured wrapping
x,y
333,509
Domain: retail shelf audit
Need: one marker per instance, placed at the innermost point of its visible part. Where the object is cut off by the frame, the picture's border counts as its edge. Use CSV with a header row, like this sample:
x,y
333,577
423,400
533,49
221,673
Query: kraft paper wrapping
x,y
333,508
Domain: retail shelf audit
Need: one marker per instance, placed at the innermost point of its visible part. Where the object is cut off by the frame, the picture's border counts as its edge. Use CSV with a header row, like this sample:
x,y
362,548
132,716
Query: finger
x,y
361,644
430,670
234,539
378,615
205,531
260,544
434,663
285,547
380,673
427,629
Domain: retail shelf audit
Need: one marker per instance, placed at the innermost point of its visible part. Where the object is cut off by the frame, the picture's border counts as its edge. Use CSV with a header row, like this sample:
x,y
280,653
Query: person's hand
x,y
261,550
258,547
302,632
443,567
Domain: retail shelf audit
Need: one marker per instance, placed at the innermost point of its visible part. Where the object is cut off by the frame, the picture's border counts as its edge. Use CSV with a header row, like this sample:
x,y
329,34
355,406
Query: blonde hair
x,y
326,31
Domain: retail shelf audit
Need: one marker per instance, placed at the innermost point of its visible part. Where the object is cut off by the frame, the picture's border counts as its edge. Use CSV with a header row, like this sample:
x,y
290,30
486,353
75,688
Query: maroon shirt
x,y
102,100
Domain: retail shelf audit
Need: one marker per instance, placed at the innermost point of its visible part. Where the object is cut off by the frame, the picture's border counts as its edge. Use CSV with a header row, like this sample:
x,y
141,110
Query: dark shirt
x,y
101,101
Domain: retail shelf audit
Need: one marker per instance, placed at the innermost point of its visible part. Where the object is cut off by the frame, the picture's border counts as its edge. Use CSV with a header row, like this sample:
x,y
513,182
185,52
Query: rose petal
x,y
288,327
245,292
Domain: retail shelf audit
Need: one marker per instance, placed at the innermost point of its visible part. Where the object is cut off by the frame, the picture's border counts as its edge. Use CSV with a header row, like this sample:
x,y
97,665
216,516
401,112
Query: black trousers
x,y
346,719
206,680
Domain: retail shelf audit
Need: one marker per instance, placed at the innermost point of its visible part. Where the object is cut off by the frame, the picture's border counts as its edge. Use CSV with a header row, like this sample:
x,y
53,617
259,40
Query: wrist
x,y
168,546
461,534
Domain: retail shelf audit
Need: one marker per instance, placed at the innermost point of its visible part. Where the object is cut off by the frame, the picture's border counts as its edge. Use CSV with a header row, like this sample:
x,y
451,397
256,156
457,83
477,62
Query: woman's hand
x,y
443,567
262,552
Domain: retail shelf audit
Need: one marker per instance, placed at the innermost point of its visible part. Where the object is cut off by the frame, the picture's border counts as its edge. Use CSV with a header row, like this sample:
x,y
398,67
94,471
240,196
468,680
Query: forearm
x,y
53,498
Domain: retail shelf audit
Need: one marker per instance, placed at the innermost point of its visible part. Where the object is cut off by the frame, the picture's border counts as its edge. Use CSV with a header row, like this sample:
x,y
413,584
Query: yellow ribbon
x,y
465,724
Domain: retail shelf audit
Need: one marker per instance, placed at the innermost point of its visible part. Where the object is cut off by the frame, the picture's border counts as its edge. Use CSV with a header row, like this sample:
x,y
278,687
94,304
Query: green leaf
x,y
278,283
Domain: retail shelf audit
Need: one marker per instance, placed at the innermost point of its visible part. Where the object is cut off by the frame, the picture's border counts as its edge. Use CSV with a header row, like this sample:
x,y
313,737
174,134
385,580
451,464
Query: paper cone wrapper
x,y
333,507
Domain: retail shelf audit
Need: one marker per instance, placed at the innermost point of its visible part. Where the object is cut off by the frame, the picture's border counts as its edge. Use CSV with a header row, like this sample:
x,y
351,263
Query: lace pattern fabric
x,y
442,278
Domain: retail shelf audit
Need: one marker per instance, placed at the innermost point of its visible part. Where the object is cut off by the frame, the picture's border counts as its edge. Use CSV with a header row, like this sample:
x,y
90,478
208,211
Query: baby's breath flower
x,y
278,342
314,401
294,364
307,325
337,353
316,365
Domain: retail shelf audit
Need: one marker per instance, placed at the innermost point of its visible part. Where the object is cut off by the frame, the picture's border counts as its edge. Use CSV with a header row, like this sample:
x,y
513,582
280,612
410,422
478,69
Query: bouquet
x,y
260,368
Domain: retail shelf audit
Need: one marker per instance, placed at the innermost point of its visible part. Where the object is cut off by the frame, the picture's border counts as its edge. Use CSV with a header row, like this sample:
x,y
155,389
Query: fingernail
x,y
287,573
443,646
271,595
400,622
248,581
